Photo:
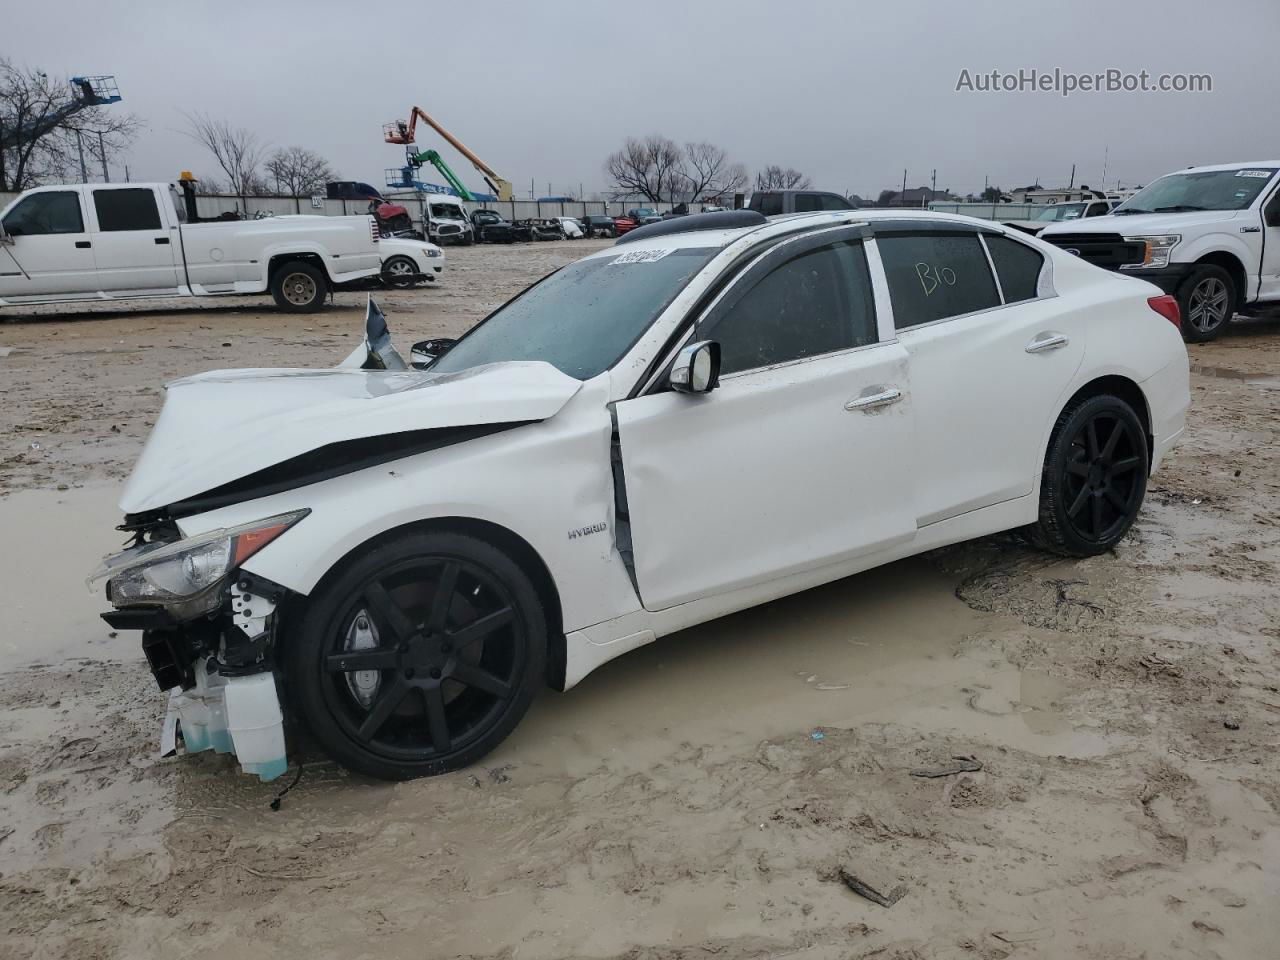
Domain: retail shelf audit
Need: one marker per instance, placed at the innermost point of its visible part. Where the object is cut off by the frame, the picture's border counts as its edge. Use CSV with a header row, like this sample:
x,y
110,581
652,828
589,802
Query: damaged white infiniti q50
x,y
722,410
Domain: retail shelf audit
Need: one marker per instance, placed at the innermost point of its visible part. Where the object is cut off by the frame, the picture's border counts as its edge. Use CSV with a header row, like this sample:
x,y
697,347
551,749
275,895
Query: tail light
x,y
1167,307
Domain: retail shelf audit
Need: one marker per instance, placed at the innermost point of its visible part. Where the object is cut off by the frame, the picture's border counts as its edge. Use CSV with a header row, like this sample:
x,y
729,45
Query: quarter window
x,y
1017,266
44,213
933,276
126,209
818,302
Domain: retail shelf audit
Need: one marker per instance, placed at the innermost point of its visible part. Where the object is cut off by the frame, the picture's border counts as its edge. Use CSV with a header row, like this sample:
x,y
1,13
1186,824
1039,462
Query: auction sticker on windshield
x,y
640,256
1260,174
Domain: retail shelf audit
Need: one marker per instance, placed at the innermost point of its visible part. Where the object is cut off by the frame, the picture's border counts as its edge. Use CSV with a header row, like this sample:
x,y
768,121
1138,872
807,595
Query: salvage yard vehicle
x,y
715,412
599,225
447,222
1061,213
108,241
774,202
405,263
492,227
571,227
1208,235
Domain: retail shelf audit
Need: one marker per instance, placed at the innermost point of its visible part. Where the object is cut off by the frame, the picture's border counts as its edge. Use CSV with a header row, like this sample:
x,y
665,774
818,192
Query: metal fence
x,y
414,202
989,211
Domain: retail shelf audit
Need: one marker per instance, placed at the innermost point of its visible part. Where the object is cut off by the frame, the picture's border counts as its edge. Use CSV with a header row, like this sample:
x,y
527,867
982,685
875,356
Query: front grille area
x,y
1107,250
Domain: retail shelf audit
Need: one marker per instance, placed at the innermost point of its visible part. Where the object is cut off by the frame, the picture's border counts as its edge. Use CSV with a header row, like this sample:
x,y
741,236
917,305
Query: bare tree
x,y
39,120
299,172
708,174
651,166
774,177
237,151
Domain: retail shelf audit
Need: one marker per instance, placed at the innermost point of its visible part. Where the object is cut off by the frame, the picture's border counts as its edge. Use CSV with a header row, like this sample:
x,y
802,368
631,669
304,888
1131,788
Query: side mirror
x,y
425,352
696,368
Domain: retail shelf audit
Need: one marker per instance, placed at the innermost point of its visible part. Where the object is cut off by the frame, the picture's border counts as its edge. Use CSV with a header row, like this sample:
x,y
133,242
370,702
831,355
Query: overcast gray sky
x,y
850,93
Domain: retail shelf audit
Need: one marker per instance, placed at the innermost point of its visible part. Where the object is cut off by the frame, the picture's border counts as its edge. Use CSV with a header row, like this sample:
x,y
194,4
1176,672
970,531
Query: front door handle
x,y
1046,341
162,239
83,244
874,398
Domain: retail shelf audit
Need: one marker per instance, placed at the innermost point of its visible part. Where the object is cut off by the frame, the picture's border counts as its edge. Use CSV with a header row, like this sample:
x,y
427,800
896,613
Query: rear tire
x,y
299,287
1207,299
1094,479
396,679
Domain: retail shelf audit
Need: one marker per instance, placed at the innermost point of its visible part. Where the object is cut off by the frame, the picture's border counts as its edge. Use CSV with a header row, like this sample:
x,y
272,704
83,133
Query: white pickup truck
x,y
1208,235
125,241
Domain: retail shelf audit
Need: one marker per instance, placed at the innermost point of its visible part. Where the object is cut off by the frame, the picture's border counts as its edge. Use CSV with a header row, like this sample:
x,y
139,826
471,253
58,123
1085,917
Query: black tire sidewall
x,y
1054,530
392,280
304,649
299,266
1198,276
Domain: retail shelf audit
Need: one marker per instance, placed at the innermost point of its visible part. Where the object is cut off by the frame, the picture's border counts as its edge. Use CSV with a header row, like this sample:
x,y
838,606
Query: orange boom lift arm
x,y
401,132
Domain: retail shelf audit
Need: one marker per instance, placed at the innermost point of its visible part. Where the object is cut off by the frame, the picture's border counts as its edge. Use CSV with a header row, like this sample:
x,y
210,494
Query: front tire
x,y
299,287
1207,300
419,656
1094,480
399,271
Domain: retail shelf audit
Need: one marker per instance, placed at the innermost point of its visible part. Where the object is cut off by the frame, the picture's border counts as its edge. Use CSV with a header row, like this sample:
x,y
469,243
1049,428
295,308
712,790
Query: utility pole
x,y
1073,177
84,174
902,197
1106,151
102,152
934,189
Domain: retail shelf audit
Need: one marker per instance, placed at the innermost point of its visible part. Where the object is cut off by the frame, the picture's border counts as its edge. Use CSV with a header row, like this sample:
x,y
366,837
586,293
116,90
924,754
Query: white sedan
x,y
407,262
571,226
717,411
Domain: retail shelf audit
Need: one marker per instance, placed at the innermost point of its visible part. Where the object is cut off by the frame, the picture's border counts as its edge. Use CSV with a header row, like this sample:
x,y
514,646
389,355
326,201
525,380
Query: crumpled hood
x,y
1142,224
218,427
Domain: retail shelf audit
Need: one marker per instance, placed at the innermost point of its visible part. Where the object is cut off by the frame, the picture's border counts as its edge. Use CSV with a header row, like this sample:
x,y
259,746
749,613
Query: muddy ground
x,y
699,798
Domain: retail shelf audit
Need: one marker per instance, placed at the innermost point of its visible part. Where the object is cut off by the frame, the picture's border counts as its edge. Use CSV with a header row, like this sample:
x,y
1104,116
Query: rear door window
x,y
126,209
1017,266
808,202
769,204
936,275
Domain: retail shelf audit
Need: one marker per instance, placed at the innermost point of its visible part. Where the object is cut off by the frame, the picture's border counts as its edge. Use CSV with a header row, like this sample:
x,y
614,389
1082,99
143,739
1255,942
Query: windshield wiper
x,y
1178,208
1121,213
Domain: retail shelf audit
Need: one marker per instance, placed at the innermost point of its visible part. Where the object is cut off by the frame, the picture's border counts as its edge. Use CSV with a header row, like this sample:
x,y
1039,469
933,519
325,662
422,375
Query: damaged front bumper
x,y
214,657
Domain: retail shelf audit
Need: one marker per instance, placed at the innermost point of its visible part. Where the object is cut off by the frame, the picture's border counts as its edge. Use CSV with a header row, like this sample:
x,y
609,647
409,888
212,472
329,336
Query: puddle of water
x,y
1266,381
53,540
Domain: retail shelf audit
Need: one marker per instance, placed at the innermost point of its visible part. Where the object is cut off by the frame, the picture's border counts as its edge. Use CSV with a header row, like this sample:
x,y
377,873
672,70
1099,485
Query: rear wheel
x,y
419,657
299,287
1207,300
1095,478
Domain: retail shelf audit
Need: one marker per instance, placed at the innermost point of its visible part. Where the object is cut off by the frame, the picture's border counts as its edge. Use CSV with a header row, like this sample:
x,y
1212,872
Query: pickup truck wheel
x,y
1207,299
1094,480
398,271
419,656
299,287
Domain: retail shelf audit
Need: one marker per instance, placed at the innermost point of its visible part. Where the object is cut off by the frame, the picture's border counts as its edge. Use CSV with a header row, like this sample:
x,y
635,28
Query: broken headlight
x,y
184,576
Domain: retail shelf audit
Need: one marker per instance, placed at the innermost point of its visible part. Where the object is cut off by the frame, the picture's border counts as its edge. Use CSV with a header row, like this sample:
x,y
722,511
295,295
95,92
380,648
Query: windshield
x,y
583,318
1208,190
446,211
1060,211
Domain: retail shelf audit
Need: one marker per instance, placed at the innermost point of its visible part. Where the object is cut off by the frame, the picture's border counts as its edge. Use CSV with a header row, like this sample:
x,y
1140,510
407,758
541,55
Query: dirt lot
x,y
701,797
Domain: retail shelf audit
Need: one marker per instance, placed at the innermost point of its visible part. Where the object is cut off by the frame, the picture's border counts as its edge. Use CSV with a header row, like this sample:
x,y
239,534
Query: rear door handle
x,y
162,239
874,398
83,244
1046,341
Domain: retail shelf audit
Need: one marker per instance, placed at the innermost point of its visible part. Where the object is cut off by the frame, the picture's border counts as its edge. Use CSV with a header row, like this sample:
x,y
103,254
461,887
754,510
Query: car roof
x,y
785,223
1227,166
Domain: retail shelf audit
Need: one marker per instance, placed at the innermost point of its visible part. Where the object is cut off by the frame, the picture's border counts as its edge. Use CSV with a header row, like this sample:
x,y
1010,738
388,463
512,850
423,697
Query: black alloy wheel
x,y
420,657
1095,477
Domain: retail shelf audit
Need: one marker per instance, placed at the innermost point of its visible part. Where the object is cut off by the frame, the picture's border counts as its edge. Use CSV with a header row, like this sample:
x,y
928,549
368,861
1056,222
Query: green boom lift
x,y
416,160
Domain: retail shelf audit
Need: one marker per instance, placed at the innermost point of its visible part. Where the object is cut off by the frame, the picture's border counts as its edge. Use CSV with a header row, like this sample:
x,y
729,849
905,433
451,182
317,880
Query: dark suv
x,y
491,227
598,225
773,202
